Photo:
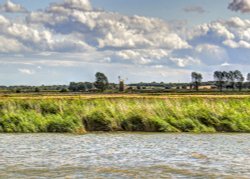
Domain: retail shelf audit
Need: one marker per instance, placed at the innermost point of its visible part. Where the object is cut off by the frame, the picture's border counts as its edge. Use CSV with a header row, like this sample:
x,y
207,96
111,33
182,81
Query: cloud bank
x,y
73,32
73,26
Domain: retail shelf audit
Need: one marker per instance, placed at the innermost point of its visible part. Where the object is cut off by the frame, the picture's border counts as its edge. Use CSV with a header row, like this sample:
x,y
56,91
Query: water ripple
x,y
125,155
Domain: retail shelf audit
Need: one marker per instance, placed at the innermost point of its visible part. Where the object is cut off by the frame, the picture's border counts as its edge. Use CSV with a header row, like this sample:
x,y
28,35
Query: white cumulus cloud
x,y
107,30
11,7
77,31
74,26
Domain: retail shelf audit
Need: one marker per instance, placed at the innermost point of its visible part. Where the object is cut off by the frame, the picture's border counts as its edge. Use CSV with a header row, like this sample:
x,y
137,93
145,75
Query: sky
x,y
59,41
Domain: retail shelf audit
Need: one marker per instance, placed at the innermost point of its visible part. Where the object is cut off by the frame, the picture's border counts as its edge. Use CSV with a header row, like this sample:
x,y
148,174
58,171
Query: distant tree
x,y
64,90
101,82
88,86
76,87
18,90
248,77
239,79
81,86
248,80
230,78
196,79
220,77
73,86
37,90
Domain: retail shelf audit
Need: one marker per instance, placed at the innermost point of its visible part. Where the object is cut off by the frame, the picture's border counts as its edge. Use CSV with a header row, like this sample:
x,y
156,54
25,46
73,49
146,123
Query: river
x,y
124,155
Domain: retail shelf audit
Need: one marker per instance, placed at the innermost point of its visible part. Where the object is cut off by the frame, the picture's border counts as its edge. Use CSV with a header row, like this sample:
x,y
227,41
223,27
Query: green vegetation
x,y
229,80
196,79
223,81
101,82
138,113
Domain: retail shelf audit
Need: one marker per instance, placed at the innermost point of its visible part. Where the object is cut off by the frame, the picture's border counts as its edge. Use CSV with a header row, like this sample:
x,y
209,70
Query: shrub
x,y
64,90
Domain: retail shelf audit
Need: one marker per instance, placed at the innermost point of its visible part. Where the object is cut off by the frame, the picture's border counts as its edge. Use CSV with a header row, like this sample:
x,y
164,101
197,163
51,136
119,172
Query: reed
x,y
74,115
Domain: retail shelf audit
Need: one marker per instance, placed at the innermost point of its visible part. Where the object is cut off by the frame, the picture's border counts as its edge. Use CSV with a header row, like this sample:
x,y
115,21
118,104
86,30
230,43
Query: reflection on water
x,y
125,155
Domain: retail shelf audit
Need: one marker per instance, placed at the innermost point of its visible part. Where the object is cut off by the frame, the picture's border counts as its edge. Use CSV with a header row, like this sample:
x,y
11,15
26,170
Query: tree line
x,y
223,79
101,84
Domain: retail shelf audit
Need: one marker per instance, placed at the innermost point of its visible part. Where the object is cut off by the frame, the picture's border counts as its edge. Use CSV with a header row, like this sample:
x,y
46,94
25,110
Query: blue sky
x,y
170,9
165,9
142,40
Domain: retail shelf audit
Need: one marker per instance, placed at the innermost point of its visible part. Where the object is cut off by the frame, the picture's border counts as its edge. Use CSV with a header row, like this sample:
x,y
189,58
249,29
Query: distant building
x,y
201,87
207,87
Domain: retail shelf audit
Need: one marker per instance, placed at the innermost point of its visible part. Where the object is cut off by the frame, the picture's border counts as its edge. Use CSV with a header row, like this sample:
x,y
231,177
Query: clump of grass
x,y
97,121
49,107
25,122
125,114
67,124
134,123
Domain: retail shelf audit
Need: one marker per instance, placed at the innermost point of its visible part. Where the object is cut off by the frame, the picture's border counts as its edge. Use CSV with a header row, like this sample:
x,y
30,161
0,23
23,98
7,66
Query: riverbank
x,y
76,114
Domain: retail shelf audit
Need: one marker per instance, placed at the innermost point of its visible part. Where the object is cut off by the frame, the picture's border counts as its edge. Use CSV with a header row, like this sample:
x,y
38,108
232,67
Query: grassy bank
x,y
185,114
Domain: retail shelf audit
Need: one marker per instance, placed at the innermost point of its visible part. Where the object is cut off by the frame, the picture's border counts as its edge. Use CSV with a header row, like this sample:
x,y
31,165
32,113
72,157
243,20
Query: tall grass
x,y
122,114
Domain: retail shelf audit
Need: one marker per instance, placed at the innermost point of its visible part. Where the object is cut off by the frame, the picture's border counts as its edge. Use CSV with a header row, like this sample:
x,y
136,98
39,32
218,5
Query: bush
x,y
18,91
64,90
37,90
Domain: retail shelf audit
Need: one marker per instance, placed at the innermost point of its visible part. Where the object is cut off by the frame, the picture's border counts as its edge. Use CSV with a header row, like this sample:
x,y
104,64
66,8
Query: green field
x,y
148,113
